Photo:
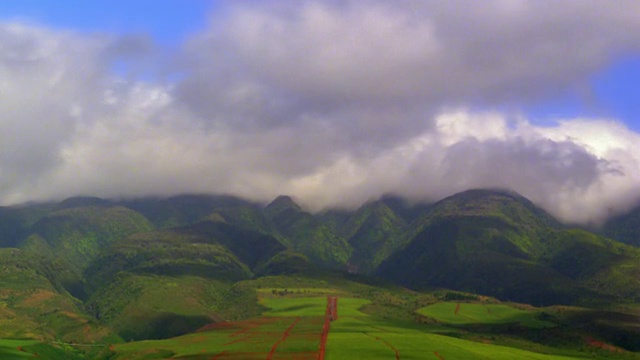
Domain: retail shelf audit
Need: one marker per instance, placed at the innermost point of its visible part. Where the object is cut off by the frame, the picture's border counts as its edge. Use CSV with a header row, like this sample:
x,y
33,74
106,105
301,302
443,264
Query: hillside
x,y
104,272
304,233
500,244
72,237
374,232
624,227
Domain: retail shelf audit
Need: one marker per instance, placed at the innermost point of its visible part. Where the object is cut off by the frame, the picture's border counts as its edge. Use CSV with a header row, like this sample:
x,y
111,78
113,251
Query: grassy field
x,y
469,313
359,336
291,328
29,349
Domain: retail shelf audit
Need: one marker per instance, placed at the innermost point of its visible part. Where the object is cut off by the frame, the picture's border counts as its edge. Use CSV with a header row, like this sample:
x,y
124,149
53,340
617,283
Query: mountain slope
x,y
624,228
71,238
181,210
374,231
169,282
306,234
31,307
500,244
207,249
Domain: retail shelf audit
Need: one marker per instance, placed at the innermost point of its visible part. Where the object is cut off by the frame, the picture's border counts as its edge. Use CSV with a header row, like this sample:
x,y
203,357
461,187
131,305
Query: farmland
x,y
480,275
291,329
469,313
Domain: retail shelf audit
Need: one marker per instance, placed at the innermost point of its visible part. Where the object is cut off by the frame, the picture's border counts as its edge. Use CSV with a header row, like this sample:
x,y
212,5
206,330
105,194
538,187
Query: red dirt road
x,y
284,337
389,345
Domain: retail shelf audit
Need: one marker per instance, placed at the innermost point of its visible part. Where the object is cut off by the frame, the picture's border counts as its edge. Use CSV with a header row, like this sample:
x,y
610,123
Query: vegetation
x,y
624,227
202,276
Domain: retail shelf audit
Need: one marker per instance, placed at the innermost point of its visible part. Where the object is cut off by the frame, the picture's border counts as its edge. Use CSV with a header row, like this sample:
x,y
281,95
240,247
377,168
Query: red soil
x,y
219,356
438,355
284,337
390,346
330,314
599,344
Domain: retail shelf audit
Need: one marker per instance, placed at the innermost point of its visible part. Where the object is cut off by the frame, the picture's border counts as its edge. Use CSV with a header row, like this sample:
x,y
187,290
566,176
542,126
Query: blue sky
x,y
333,102
611,92
168,21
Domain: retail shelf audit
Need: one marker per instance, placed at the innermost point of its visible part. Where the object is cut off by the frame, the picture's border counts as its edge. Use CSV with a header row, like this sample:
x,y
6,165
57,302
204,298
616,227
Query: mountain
x,y
169,282
498,243
32,307
624,228
107,271
16,222
181,210
71,238
305,233
374,232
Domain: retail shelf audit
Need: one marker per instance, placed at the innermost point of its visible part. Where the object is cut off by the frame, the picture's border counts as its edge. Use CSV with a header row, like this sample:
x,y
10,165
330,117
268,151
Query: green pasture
x,y
304,317
9,349
311,306
469,313
29,349
356,335
244,339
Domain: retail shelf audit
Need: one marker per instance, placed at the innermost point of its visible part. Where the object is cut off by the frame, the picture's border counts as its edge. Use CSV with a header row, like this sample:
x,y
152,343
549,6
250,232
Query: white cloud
x,y
334,102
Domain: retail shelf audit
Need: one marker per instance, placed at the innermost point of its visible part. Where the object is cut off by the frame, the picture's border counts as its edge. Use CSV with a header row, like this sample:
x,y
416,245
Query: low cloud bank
x,y
332,102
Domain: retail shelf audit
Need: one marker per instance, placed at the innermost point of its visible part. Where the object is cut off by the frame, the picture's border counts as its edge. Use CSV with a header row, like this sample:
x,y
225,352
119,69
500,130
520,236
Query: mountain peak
x,y
282,203
81,201
493,202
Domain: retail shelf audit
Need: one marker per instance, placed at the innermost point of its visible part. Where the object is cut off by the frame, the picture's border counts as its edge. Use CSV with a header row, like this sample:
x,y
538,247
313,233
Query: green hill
x,y
374,232
32,308
307,234
99,272
139,307
500,244
71,238
181,210
624,227
169,282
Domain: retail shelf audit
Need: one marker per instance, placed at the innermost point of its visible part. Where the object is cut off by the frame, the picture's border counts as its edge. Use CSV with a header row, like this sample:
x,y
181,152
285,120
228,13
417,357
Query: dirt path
x,y
389,345
457,309
284,337
599,344
438,355
219,356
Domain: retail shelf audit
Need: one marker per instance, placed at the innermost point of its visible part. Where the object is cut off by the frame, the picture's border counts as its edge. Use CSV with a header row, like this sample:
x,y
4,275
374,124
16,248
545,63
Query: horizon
x,y
335,103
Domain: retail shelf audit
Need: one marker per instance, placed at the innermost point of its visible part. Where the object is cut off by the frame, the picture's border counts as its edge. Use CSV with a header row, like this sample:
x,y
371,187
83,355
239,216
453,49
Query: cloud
x,y
334,102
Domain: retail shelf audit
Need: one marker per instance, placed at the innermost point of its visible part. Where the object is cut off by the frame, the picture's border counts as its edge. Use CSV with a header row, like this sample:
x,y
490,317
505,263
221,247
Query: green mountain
x,y
31,307
181,210
169,282
71,238
374,232
498,243
624,228
103,272
305,233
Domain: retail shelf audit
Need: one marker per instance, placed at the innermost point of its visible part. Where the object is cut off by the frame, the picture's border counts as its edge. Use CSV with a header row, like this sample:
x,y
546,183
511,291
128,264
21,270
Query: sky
x,y
335,102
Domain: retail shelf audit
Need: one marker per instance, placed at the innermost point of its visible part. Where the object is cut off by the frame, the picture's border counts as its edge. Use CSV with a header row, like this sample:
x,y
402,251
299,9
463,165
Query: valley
x,y
481,274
